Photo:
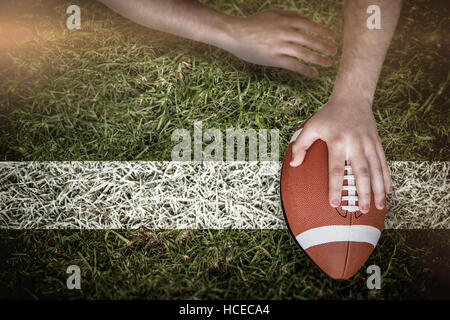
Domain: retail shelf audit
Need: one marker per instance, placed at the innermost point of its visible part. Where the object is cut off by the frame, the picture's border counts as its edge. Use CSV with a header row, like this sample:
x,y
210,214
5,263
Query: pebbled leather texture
x,y
304,193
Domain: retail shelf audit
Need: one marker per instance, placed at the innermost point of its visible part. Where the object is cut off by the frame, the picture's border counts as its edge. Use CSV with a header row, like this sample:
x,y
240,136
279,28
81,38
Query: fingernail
x,y
390,190
294,164
381,204
365,207
335,202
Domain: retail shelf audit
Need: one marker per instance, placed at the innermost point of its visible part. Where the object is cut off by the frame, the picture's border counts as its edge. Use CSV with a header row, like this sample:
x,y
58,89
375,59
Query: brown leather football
x,y
338,240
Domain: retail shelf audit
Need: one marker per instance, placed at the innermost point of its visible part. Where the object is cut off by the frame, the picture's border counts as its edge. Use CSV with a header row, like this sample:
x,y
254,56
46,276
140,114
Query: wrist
x,y
220,31
355,85
352,100
355,90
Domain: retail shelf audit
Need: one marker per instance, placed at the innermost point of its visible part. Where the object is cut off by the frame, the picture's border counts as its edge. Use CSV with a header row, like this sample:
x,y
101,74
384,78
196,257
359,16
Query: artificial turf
x,y
116,91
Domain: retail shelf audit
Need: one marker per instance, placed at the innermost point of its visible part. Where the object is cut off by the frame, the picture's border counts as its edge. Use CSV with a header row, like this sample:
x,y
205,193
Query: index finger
x,y
336,163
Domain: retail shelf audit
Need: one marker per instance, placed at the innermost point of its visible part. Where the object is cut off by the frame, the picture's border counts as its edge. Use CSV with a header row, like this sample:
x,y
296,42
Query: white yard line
x,y
181,195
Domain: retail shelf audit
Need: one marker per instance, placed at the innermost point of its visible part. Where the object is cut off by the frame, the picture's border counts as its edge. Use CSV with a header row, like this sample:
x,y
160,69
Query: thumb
x,y
301,145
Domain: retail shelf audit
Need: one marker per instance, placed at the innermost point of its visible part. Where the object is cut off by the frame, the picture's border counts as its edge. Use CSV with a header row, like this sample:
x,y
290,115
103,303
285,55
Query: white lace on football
x,y
351,196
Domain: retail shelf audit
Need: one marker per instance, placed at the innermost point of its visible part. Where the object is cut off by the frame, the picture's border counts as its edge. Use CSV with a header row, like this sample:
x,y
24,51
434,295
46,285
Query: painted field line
x,y
189,195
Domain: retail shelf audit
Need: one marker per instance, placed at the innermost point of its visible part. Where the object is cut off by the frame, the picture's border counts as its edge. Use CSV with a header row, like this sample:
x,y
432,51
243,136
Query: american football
x,y
337,240
142,147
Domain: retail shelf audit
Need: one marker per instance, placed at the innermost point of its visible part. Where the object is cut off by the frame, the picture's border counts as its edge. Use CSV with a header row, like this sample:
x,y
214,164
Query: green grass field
x,y
116,91
225,264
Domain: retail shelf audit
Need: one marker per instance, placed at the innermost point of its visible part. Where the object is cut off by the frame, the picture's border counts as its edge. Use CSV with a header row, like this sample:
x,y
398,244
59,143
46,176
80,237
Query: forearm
x,y
364,50
270,38
185,18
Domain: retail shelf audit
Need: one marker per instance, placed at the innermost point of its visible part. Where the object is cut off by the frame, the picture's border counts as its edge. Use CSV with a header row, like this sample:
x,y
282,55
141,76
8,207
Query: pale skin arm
x,y
346,121
269,38
272,38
